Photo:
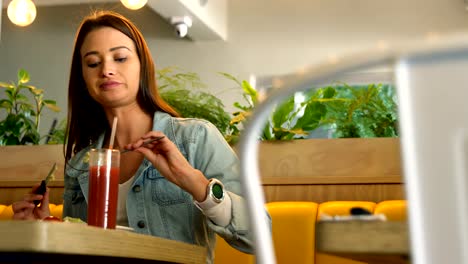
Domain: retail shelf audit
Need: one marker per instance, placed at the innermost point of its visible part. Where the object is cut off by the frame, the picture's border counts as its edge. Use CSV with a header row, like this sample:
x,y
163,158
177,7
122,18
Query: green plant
x,y
362,111
21,124
235,123
290,119
57,134
184,91
348,111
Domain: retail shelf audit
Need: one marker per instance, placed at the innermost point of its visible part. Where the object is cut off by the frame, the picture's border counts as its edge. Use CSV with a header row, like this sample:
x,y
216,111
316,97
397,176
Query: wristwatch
x,y
215,190
215,195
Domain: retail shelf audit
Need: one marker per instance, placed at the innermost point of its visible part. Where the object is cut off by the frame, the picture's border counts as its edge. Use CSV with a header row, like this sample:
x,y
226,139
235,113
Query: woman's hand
x,y
167,159
27,210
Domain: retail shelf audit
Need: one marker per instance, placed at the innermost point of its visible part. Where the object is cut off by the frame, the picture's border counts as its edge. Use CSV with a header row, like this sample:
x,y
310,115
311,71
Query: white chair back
x,y
432,87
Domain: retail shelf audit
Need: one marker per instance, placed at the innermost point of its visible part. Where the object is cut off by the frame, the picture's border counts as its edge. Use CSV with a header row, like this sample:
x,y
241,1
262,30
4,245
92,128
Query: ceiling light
x,y
134,4
21,12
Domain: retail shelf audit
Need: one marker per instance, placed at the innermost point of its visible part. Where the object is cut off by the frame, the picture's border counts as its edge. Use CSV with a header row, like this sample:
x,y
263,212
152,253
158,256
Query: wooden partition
x,y
309,170
322,170
23,166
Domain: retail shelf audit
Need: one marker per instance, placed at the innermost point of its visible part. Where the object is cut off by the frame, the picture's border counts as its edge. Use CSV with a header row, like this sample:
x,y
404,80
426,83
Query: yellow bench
x,y
6,211
293,229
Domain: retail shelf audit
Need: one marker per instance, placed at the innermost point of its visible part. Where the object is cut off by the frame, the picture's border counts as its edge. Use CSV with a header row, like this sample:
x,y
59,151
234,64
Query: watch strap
x,y
213,197
218,213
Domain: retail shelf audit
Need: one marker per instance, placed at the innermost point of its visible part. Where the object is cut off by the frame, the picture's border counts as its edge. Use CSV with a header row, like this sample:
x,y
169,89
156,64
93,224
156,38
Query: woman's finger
x,y
45,199
19,215
22,210
22,205
30,197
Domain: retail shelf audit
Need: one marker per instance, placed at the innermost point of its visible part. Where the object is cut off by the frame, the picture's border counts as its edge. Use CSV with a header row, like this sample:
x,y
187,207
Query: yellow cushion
x,y
394,210
51,206
333,208
225,254
2,207
57,211
7,213
293,229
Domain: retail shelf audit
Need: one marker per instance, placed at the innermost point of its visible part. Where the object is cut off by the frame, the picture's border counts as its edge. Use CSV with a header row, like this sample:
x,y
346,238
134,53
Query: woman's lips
x,y
109,85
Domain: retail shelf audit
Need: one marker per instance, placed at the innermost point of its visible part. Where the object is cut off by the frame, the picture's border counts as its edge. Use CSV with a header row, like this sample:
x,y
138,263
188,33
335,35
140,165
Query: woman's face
x,y
111,67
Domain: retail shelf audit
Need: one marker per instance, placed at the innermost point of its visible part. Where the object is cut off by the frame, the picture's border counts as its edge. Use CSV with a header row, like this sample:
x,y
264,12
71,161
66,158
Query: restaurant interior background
x,y
264,38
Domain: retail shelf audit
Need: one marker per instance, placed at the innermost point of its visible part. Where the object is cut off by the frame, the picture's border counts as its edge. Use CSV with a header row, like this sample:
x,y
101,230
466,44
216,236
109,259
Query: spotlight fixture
x,y
21,12
134,4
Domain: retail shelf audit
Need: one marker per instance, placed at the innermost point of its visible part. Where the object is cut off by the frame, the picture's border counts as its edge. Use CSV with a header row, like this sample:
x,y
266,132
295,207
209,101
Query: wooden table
x,y
368,241
58,242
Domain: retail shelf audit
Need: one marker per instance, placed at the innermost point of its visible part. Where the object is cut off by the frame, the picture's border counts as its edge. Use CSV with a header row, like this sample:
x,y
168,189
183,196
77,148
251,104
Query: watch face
x,y
217,190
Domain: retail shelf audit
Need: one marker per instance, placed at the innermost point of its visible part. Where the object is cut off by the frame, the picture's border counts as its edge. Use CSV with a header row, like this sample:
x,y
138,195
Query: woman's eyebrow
x,y
111,49
119,47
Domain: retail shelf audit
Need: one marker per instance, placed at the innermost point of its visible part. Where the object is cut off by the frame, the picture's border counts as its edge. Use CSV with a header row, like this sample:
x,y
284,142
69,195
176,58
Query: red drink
x,y
103,189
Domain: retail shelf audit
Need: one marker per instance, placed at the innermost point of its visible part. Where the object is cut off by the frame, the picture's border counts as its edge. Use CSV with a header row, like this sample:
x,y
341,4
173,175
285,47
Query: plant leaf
x,y
23,76
34,90
52,106
7,85
249,90
4,103
230,77
282,113
313,114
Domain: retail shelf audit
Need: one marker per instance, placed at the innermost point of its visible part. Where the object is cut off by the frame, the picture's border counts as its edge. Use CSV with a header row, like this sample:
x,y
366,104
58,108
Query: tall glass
x,y
104,171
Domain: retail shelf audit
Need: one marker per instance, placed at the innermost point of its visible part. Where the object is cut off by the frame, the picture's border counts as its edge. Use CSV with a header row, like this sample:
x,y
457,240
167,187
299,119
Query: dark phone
x,y
40,190
359,211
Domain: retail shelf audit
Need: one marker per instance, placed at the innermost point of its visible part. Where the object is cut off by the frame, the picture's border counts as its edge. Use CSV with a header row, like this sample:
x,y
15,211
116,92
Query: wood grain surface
x,y
343,158
368,241
21,166
322,170
81,239
315,170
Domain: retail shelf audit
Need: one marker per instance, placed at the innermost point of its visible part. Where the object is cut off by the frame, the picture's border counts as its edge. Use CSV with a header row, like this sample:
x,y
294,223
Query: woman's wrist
x,y
198,186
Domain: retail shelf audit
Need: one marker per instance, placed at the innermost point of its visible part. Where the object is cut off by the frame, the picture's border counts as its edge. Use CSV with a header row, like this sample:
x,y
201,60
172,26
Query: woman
x,y
165,185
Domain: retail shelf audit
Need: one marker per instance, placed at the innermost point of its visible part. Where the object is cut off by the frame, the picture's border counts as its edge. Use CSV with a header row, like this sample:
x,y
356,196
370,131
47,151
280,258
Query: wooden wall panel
x,y
373,157
328,192
308,170
23,166
10,195
332,169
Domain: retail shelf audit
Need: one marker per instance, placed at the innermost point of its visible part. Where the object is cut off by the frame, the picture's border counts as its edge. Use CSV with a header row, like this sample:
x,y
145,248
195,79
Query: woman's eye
x,y
93,65
121,59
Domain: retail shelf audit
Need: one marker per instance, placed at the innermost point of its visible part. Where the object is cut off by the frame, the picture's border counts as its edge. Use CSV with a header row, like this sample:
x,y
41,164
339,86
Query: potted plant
x,y
24,159
361,157
22,121
360,111
184,91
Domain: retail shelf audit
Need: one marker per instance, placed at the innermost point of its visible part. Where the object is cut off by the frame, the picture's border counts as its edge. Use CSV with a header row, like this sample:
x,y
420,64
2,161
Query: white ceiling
x,y
209,17
62,2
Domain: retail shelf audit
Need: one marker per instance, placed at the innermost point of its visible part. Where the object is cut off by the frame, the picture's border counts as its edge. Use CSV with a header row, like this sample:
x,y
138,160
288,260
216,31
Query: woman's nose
x,y
107,69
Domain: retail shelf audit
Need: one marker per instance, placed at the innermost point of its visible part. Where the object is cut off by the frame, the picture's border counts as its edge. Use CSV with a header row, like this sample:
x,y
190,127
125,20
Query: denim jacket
x,y
158,207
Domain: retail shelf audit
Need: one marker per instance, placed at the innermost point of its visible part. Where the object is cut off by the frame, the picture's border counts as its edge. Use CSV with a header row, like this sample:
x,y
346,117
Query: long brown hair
x,y
86,119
